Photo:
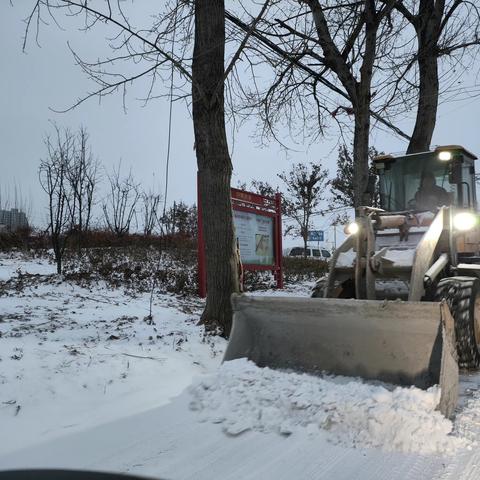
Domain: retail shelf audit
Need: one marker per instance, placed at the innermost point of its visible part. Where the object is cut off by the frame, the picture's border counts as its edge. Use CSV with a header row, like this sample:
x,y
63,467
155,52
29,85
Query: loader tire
x,y
462,295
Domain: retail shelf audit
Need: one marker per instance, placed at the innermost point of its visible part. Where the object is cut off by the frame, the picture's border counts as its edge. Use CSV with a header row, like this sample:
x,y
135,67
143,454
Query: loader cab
x,y
428,180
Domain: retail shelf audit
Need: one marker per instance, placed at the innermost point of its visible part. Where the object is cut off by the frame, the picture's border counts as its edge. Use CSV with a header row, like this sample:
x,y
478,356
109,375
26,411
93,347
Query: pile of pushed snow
x,y
242,396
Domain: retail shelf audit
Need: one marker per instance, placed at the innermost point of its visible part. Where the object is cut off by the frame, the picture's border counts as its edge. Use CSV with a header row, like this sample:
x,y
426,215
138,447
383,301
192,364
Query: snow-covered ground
x,y
17,264
88,380
74,357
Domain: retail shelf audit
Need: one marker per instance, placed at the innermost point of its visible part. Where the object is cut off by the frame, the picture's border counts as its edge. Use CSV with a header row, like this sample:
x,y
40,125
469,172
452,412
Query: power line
x,y
169,140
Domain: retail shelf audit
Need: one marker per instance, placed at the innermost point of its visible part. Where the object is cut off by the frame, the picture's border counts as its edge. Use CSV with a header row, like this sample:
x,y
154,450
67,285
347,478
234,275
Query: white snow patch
x,y
300,289
425,218
242,396
346,259
15,263
401,258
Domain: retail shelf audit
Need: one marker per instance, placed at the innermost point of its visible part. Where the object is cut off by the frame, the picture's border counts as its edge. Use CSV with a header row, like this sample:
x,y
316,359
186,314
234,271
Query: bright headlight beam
x,y
445,156
352,228
464,221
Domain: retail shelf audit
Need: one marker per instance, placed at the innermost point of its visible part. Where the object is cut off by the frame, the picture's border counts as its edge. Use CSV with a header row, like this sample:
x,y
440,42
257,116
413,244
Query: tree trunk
x,y
214,164
427,104
427,24
58,256
360,152
361,102
305,244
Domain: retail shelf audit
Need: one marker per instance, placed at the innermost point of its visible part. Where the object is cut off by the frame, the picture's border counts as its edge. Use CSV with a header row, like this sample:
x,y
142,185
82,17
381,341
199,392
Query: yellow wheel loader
x,y
401,301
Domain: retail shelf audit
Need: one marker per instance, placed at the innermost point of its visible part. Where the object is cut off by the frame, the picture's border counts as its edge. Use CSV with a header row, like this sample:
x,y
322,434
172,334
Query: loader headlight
x,y
464,221
352,228
445,156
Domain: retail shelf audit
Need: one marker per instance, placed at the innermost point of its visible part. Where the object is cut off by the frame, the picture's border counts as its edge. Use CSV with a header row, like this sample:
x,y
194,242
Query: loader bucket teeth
x,y
374,340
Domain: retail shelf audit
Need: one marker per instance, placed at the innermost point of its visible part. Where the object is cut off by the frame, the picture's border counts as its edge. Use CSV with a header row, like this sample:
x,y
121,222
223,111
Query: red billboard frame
x,y
250,202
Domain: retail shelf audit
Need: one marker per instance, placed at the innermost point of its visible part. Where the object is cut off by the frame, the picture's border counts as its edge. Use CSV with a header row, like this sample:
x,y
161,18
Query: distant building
x,y
12,220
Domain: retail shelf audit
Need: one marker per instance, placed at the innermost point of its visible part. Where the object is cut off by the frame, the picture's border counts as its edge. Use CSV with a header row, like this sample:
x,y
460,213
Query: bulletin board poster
x,y
255,238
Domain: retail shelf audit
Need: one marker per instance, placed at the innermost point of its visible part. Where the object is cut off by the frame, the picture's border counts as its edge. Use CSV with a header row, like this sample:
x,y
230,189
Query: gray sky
x,y
48,77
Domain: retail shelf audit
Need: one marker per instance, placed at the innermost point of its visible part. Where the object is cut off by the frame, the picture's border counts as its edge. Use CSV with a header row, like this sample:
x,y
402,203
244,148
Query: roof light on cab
x,y
444,155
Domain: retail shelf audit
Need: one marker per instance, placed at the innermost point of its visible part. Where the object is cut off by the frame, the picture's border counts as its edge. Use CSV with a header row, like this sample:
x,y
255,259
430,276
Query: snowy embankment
x,y
73,357
242,397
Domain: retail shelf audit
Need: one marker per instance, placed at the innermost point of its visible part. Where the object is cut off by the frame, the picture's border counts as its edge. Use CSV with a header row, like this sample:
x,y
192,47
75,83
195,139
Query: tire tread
x,y
460,294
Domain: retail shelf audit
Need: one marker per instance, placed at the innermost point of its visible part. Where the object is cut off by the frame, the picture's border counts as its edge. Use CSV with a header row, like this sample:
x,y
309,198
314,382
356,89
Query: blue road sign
x,y
315,236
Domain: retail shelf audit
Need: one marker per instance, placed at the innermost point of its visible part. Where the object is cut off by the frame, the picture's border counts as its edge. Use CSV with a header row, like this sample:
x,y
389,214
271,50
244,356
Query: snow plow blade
x,y
402,343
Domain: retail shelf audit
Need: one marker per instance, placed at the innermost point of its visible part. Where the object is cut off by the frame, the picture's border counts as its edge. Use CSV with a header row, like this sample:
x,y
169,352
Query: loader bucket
x,y
403,343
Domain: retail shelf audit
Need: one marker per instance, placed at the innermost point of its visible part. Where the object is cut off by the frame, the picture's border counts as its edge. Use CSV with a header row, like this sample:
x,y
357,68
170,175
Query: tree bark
x,y
57,251
59,265
427,106
214,164
427,24
305,243
361,166
361,104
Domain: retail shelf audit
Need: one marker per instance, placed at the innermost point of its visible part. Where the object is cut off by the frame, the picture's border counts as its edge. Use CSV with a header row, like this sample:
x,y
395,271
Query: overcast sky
x,y
46,77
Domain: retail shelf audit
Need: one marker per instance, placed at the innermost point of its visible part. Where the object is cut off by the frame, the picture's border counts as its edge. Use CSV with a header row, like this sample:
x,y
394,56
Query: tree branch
x,y
108,18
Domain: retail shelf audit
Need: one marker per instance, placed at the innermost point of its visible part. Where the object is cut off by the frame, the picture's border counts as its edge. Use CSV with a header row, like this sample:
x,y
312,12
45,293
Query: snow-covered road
x,y
169,442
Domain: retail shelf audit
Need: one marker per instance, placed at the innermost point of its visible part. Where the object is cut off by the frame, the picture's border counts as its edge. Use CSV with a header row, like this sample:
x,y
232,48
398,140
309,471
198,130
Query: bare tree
x,y
53,175
181,219
444,32
168,219
83,178
4,200
334,58
150,209
359,91
119,207
324,56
